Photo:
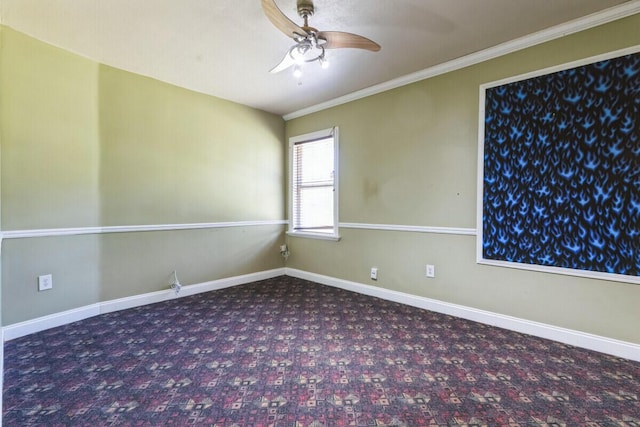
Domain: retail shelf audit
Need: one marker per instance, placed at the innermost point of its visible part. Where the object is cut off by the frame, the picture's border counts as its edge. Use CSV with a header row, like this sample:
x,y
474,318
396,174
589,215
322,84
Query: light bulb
x,y
299,52
324,63
297,72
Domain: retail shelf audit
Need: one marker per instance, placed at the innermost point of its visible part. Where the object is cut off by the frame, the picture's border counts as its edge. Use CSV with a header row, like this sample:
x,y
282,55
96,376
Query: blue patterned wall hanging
x,y
560,169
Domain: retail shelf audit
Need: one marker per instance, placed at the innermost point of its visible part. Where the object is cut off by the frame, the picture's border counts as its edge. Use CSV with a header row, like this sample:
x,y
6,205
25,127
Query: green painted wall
x,y
86,145
409,157
50,145
195,158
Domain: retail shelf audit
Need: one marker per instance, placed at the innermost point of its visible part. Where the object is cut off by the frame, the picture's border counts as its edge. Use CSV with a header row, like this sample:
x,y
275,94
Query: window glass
x,y
313,208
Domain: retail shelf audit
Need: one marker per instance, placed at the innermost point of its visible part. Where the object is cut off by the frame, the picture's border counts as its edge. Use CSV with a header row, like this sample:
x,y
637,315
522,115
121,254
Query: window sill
x,y
309,235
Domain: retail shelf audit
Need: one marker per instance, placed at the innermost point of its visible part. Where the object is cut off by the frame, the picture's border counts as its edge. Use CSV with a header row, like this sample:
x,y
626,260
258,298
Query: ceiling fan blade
x,y
280,20
339,39
286,62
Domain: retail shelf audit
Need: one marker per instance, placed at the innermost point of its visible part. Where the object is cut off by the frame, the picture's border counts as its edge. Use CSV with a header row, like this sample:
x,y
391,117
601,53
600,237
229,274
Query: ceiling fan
x,y
310,44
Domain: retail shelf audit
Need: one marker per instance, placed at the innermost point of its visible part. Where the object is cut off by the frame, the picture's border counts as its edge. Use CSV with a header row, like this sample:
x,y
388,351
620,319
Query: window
x,y
313,198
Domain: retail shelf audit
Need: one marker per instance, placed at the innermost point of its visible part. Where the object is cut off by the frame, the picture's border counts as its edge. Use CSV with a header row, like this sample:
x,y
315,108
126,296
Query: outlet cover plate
x,y
45,282
431,270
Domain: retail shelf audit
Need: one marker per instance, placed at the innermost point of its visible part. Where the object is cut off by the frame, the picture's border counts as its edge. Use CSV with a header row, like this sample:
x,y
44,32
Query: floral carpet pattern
x,y
288,352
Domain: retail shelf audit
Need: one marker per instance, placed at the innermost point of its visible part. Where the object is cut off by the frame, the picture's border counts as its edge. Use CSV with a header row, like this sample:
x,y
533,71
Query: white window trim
x,y
321,134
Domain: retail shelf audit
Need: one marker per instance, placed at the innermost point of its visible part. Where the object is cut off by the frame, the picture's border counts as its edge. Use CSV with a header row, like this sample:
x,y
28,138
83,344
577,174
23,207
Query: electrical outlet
x,y
374,273
45,282
430,270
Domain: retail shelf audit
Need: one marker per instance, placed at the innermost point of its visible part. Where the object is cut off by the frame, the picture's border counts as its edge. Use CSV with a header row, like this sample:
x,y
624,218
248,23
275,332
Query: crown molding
x,y
558,31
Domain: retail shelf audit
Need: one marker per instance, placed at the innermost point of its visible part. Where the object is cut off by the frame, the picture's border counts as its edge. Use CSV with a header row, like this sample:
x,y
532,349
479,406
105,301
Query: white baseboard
x,y
27,327
576,338
598,343
21,329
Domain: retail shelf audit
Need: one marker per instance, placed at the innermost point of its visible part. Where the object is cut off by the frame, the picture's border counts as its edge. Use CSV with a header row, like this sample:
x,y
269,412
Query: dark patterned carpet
x,y
287,352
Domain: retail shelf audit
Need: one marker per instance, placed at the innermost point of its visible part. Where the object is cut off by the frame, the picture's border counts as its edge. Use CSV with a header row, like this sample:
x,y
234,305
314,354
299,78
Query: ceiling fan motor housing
x,y
305,8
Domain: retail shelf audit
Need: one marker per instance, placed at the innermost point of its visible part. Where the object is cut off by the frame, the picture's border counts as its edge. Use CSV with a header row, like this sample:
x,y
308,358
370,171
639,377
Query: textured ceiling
x,y
226,48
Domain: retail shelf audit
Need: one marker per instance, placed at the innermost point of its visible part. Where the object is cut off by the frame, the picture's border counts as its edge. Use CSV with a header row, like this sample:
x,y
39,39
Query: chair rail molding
x,y
50,232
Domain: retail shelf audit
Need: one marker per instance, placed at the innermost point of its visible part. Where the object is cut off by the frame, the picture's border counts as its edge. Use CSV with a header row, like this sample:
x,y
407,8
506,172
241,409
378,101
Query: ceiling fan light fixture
x,y
298,52
304,51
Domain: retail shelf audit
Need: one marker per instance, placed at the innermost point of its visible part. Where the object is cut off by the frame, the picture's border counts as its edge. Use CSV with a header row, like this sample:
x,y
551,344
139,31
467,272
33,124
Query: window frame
x,y
309,137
